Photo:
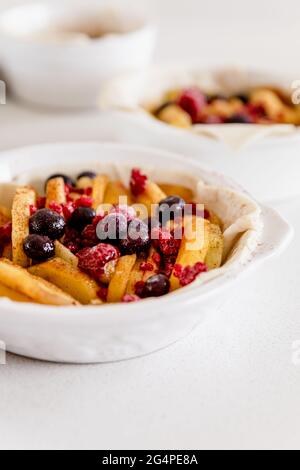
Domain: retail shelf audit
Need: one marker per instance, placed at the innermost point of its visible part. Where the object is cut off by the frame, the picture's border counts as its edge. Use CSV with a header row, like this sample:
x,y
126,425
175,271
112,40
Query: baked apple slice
x,y
25,197
68,278
178,190
100,184
118,284
117,193
214,254
55,191
19,279
13,295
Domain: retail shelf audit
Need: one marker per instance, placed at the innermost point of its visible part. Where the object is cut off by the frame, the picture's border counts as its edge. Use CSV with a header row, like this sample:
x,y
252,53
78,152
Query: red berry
x,y
192,101
102,293
41,202
54,206
32,209
68,209
164,240
138,182
146,267
84,201
5,233
89,236
94,259
123,209
188,274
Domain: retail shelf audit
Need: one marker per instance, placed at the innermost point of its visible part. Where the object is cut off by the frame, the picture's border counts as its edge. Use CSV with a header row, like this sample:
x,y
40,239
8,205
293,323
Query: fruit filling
x,y
187,107
91,240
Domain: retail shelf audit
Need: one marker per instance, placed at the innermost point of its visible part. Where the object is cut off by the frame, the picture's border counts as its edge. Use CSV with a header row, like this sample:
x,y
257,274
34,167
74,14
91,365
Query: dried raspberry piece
x,y
138,182
102,293
74,247
94,259
146,267
188,274
72,240
32,209
123,209
84,201
41,203
130,298
5,233
192,101
168,265
99,218
68,209
89,236
54,206
156,258
163,239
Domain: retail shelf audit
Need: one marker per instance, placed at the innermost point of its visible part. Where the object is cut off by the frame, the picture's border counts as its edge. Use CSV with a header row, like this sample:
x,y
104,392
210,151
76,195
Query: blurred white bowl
x,y
49,58
120,331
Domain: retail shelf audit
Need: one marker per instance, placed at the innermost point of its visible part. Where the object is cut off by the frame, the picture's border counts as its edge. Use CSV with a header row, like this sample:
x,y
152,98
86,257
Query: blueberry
x,y
66,179
239,119
38,247
48,223
137,239
112,228
170,208
87,174
156,286
81,217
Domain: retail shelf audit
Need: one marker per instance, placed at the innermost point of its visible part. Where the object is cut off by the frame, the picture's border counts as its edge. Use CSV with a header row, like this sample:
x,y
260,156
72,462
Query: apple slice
x,y
65,254
100,184
177,190
117,193
214,254
5,215
55,191
194,245
118,284
68,278
19,279
24,198
13,295
151,196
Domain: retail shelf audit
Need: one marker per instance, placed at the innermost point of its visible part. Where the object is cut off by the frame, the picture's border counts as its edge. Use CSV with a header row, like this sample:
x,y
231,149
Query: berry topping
x,y
138,182
68,181
146,267
170,208
89,236
5,233
87,174
130,298
165,242
156,286
137,239
32,209
188,275
94,259
55,207
81,217
48,223
84,201
68,209
192,101
103,293
112,228
41,202
38,247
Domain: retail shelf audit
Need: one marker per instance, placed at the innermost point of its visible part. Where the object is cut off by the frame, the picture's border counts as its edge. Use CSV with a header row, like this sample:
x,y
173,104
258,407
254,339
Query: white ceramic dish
x,y
117,332
264,159
46,62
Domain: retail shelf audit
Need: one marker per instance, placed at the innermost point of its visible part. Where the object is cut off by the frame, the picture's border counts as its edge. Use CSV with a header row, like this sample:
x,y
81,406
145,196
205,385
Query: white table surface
x,y
233,383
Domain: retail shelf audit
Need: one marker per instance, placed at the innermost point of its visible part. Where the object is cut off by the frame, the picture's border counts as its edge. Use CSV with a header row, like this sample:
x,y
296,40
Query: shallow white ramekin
x,y
68,70
264,159
123,331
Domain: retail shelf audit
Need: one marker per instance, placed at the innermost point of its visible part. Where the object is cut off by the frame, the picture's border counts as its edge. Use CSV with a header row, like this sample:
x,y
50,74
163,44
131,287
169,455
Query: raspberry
x,y
41,203
130,298
5,233
163,239
188,274
58,208
102,293
68,209
84,201
138,182
168,265
146,267
32,209
128,211
156,258
98,218
89,237
192,101
72,240
94,259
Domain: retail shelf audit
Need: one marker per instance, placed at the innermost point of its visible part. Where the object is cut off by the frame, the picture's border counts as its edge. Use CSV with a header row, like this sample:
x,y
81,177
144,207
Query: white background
x,y
232,383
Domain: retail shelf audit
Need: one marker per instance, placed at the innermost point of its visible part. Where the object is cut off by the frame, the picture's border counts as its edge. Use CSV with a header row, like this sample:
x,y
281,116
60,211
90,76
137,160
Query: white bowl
x,y
264,159
122,331
46,65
